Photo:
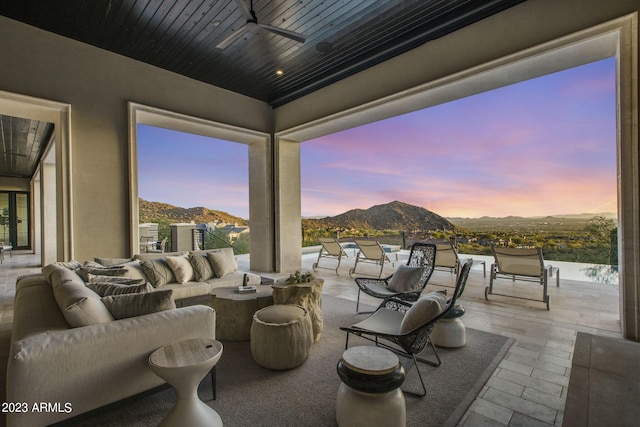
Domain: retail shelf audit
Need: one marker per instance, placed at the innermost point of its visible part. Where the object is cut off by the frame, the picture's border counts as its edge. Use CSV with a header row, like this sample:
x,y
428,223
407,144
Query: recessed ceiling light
x,y
279,72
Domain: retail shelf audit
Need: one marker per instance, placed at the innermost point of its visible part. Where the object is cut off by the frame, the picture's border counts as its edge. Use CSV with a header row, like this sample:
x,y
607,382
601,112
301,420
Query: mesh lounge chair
x,y
331,248
386,323
421,255
525,264
369,251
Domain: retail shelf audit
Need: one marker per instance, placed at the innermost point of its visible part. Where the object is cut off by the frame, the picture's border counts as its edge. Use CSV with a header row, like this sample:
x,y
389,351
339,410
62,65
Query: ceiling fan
x,y
252,22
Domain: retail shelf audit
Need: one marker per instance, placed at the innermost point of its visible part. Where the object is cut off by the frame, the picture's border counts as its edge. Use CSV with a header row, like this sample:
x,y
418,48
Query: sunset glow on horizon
x,y
542,147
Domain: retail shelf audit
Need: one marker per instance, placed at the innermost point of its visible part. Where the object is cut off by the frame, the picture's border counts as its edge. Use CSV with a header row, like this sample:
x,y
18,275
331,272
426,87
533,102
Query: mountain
x,y
157,212
391,216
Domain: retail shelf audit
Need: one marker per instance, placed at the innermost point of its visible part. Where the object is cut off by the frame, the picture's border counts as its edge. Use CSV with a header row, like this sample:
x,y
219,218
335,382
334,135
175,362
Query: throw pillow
x,y
80,306
181,268
423,310
132,305
112,262
134,270
221,263
202,269
98,278
106,289
406,279
88,269
158,272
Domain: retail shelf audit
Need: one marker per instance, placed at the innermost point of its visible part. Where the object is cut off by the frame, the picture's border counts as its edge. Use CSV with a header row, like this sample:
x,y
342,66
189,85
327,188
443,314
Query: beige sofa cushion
x,y
79,305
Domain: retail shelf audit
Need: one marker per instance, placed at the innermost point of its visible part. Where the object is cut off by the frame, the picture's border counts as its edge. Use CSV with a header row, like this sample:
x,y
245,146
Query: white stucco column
x,y
288,239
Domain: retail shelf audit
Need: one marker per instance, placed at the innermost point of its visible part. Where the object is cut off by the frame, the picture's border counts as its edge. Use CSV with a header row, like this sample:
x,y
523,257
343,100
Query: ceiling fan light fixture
x,y
252,22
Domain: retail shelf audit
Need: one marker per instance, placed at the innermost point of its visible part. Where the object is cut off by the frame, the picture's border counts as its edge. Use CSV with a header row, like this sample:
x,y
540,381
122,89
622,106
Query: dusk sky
x,y
542,147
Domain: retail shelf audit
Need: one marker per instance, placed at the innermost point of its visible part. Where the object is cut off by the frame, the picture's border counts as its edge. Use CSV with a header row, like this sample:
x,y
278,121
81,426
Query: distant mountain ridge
x,y
391,216
156,211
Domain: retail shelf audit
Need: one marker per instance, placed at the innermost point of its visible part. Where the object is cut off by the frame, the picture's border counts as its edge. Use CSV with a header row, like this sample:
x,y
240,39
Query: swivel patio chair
x,y
409,325
331,248
370,251
524,264
407,282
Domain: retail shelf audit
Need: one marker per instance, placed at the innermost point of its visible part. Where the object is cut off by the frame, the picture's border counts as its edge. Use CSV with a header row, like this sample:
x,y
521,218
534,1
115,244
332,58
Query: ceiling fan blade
x,y
299,37
232,37
245,10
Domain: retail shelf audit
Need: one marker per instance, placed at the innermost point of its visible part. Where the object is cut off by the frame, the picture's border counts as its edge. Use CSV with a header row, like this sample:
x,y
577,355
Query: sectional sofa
x,y
73,350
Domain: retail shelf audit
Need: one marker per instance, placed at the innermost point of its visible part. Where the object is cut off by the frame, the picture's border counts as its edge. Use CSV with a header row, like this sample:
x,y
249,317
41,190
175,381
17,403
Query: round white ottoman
x,y
281,336
370,392
450,331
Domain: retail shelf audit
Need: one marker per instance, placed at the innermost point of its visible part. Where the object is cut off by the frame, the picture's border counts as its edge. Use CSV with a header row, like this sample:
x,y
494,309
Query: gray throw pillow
x,y
132,305
424,310
106,289
97,278
202,269
158,272
406,279
111,262
87,269
221,263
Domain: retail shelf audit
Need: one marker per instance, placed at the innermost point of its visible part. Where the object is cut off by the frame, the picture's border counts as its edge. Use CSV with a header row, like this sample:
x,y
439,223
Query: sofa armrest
x,y
92,366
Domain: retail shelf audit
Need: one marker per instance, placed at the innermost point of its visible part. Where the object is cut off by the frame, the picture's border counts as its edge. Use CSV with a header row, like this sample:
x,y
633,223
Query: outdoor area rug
x,y
249,395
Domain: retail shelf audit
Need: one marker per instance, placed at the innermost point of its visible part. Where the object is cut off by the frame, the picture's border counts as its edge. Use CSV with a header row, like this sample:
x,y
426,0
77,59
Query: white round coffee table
x,y
183,365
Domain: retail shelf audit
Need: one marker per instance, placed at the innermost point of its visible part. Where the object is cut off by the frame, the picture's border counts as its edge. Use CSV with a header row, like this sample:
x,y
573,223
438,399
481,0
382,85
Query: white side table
x,y
183,365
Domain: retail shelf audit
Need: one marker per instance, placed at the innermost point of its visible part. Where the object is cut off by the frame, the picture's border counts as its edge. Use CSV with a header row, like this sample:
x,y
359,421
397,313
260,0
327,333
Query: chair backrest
x,y
331,245
446,255
519,261
461,283
423,255
163,245
371,249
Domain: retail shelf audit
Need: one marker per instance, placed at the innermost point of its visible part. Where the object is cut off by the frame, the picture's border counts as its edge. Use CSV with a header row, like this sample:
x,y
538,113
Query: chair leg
x,y
424,389
435,363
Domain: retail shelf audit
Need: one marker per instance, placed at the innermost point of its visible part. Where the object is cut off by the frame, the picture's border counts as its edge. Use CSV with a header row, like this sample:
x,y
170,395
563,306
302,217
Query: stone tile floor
x,y
528,388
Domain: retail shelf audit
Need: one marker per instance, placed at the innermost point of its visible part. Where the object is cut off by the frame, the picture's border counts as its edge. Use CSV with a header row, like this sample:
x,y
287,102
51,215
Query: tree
x,y
603,232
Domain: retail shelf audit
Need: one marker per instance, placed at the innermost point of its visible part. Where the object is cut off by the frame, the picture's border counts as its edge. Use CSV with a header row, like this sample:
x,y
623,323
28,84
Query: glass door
x,y
14,219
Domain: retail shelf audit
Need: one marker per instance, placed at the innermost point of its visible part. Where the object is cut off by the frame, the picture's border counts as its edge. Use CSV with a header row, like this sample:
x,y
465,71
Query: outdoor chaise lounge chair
x,y
370,251
406,283
447,258
331,248
526,264
408,325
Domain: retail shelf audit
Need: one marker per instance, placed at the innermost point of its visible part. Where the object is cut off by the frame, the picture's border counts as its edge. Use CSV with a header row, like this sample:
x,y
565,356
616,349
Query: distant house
x,y
234,231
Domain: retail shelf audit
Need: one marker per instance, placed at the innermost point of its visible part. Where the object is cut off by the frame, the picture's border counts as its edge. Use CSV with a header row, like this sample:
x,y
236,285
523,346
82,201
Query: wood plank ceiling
x,y
343,37
22,142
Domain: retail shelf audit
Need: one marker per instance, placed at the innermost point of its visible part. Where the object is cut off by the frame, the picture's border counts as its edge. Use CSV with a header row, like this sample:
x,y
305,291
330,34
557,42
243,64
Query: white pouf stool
x,y
450,331
370,392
